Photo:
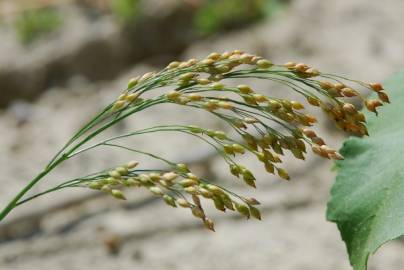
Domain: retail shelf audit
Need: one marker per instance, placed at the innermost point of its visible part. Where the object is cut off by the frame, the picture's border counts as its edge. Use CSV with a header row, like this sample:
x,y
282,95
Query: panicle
x,y
204,84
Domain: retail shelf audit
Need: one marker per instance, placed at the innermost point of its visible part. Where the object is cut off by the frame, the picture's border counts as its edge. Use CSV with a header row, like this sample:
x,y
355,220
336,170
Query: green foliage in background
x,y
217,15
213,15
125,10
34,24
368,196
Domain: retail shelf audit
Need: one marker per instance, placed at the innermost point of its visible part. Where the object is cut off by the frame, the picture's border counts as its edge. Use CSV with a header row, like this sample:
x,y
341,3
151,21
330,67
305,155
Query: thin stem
x,y
140,152
14,201
40,194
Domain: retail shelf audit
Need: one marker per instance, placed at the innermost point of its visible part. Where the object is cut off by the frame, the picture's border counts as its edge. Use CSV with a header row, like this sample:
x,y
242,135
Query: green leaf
x,y
367,199
218,15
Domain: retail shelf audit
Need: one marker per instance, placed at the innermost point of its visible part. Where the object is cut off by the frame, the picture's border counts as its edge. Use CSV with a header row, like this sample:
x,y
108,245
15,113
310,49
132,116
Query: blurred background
x,y
63,60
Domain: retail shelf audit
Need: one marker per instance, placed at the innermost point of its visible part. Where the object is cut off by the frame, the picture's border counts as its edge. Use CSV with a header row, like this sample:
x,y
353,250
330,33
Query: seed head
x,y
114,174
182,167
243,210
155,177
309,133
132,164
188,182
146,76
214,56
283,174
183,203
106,188
248,177
121,171
217,86
220,135
172,95
349,108
131,182
169,200
247,110
170,176
383,96
310,119
301,67
219,204
228,149
133,82
348,92
318,141
235,58
196,200
191,190
372,104
198,212
260,98
336,156
326,85
264,64
290,65
206,193
245,89
195,97
239,52
123,96
312,72
192,176
339,86
209,224
118,194
188,76
252,201
238,148
203,81
360,117
132,97
215,189
184,65
210,105
156,191
192,61
250,100
112,181
226,55
183,100
118,105
297,105
269,167
274,105
225,105
235,170
173,65
313,101
255,213
250,120
95,185
247,59
377,87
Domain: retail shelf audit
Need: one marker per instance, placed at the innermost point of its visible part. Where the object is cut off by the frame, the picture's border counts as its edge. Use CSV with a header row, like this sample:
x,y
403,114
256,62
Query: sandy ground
x,y
360,38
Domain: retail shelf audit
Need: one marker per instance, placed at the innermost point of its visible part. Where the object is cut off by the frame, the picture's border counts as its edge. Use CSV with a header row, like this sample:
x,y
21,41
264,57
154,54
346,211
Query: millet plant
x,y
206,85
